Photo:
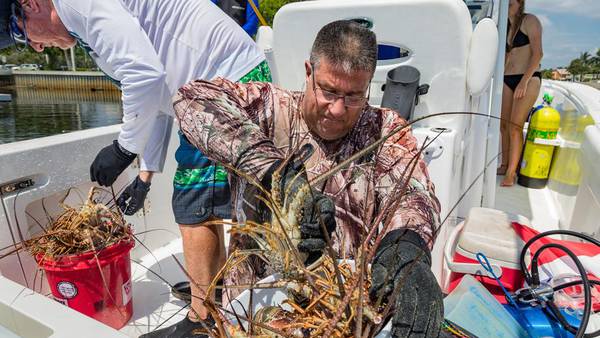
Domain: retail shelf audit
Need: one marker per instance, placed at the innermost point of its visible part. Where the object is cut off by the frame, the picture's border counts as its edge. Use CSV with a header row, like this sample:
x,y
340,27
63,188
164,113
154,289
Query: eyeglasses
x,y
19,36
330,98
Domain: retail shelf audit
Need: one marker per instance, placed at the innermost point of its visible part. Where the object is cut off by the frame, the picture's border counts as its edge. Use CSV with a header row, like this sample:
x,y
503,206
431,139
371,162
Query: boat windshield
x,y
479,9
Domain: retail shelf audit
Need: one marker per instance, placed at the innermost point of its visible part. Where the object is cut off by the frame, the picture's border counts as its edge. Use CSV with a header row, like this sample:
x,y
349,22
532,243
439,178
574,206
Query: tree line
x,y
50,58
586,63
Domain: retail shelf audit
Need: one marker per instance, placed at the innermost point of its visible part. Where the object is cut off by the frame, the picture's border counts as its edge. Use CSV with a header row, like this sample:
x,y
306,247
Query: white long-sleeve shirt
x,y
152,47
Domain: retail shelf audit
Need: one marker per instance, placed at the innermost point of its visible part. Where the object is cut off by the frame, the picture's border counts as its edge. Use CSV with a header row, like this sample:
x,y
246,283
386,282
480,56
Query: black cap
x,y
5,11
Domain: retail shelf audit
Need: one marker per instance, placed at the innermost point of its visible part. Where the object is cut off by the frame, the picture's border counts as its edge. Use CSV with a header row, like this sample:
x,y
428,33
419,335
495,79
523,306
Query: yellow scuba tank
x,y
537,156
565,173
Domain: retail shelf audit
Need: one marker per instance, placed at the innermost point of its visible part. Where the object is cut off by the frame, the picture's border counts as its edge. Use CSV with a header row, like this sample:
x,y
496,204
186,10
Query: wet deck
x,y
153,303
535,204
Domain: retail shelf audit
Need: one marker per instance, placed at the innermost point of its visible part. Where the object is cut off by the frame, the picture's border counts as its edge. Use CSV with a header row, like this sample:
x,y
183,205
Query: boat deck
x,y
154,305
534,204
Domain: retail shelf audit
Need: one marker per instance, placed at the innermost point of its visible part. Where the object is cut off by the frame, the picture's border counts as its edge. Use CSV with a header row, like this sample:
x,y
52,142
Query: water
x,y
37,113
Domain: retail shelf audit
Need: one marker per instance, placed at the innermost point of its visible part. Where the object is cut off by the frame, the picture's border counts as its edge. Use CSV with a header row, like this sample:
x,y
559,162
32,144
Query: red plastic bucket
x,y
105,294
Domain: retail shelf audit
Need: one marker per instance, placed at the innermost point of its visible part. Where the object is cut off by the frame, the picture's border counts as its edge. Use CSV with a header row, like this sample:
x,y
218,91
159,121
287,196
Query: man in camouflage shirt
x,y
253,127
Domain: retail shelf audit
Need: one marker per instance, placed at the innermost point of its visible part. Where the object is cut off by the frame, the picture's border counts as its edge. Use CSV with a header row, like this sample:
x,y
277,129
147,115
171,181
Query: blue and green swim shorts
x,y
201,189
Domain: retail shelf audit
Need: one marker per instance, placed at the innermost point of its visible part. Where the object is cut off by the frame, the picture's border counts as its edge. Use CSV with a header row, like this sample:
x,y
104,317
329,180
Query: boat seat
x,y
490,231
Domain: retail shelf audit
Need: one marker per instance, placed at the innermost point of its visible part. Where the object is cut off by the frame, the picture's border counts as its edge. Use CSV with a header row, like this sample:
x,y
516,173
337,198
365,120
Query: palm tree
x,y
577,68
585,58
596,62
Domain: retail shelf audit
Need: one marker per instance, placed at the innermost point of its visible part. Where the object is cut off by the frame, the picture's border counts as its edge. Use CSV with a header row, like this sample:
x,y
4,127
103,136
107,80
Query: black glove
x,y
132,198
318,209
110,163
403,261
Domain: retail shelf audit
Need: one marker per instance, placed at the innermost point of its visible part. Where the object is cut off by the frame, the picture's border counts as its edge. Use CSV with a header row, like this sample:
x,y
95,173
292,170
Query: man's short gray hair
x,y
346,44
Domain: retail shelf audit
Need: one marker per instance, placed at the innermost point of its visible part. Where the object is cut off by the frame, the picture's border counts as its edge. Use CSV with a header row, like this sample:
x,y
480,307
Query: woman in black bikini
x,y
522,82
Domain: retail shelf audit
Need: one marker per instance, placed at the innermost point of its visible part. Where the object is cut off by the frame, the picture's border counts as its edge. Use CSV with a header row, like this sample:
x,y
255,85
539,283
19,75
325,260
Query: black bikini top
x,y
521,39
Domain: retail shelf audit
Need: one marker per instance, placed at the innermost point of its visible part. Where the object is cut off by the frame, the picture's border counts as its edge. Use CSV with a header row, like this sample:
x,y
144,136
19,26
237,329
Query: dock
x,y
57,80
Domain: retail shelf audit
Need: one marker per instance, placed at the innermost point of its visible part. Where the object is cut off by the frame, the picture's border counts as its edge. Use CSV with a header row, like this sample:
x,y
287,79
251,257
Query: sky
x,y
570,27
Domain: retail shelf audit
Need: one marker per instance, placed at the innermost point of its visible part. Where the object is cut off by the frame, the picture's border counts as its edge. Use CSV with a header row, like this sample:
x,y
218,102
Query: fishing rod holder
x,y
401,90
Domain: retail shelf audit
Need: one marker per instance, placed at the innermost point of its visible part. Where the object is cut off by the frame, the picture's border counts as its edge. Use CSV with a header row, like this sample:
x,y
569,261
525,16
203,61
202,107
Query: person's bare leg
x,y
507,100
202,248
222,251
520,111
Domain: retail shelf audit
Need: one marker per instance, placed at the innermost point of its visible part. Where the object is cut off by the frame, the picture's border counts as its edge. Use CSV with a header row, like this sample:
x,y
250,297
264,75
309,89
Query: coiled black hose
x,y
545,234
533,279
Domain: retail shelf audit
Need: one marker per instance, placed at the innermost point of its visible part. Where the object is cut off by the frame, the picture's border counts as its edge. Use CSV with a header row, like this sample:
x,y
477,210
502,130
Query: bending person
x,y
253,127
522,82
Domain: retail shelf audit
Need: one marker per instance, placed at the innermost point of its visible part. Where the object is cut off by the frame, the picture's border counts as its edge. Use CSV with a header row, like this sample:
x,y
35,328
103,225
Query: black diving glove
x,y
132,198
110,163
318,209
403,261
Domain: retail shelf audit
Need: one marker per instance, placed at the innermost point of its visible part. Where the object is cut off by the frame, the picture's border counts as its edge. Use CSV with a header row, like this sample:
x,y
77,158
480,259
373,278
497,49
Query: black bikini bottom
x,y
512,81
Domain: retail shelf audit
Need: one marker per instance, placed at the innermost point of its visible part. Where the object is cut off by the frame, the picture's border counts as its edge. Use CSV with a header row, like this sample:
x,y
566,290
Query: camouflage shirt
x,y
250,126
